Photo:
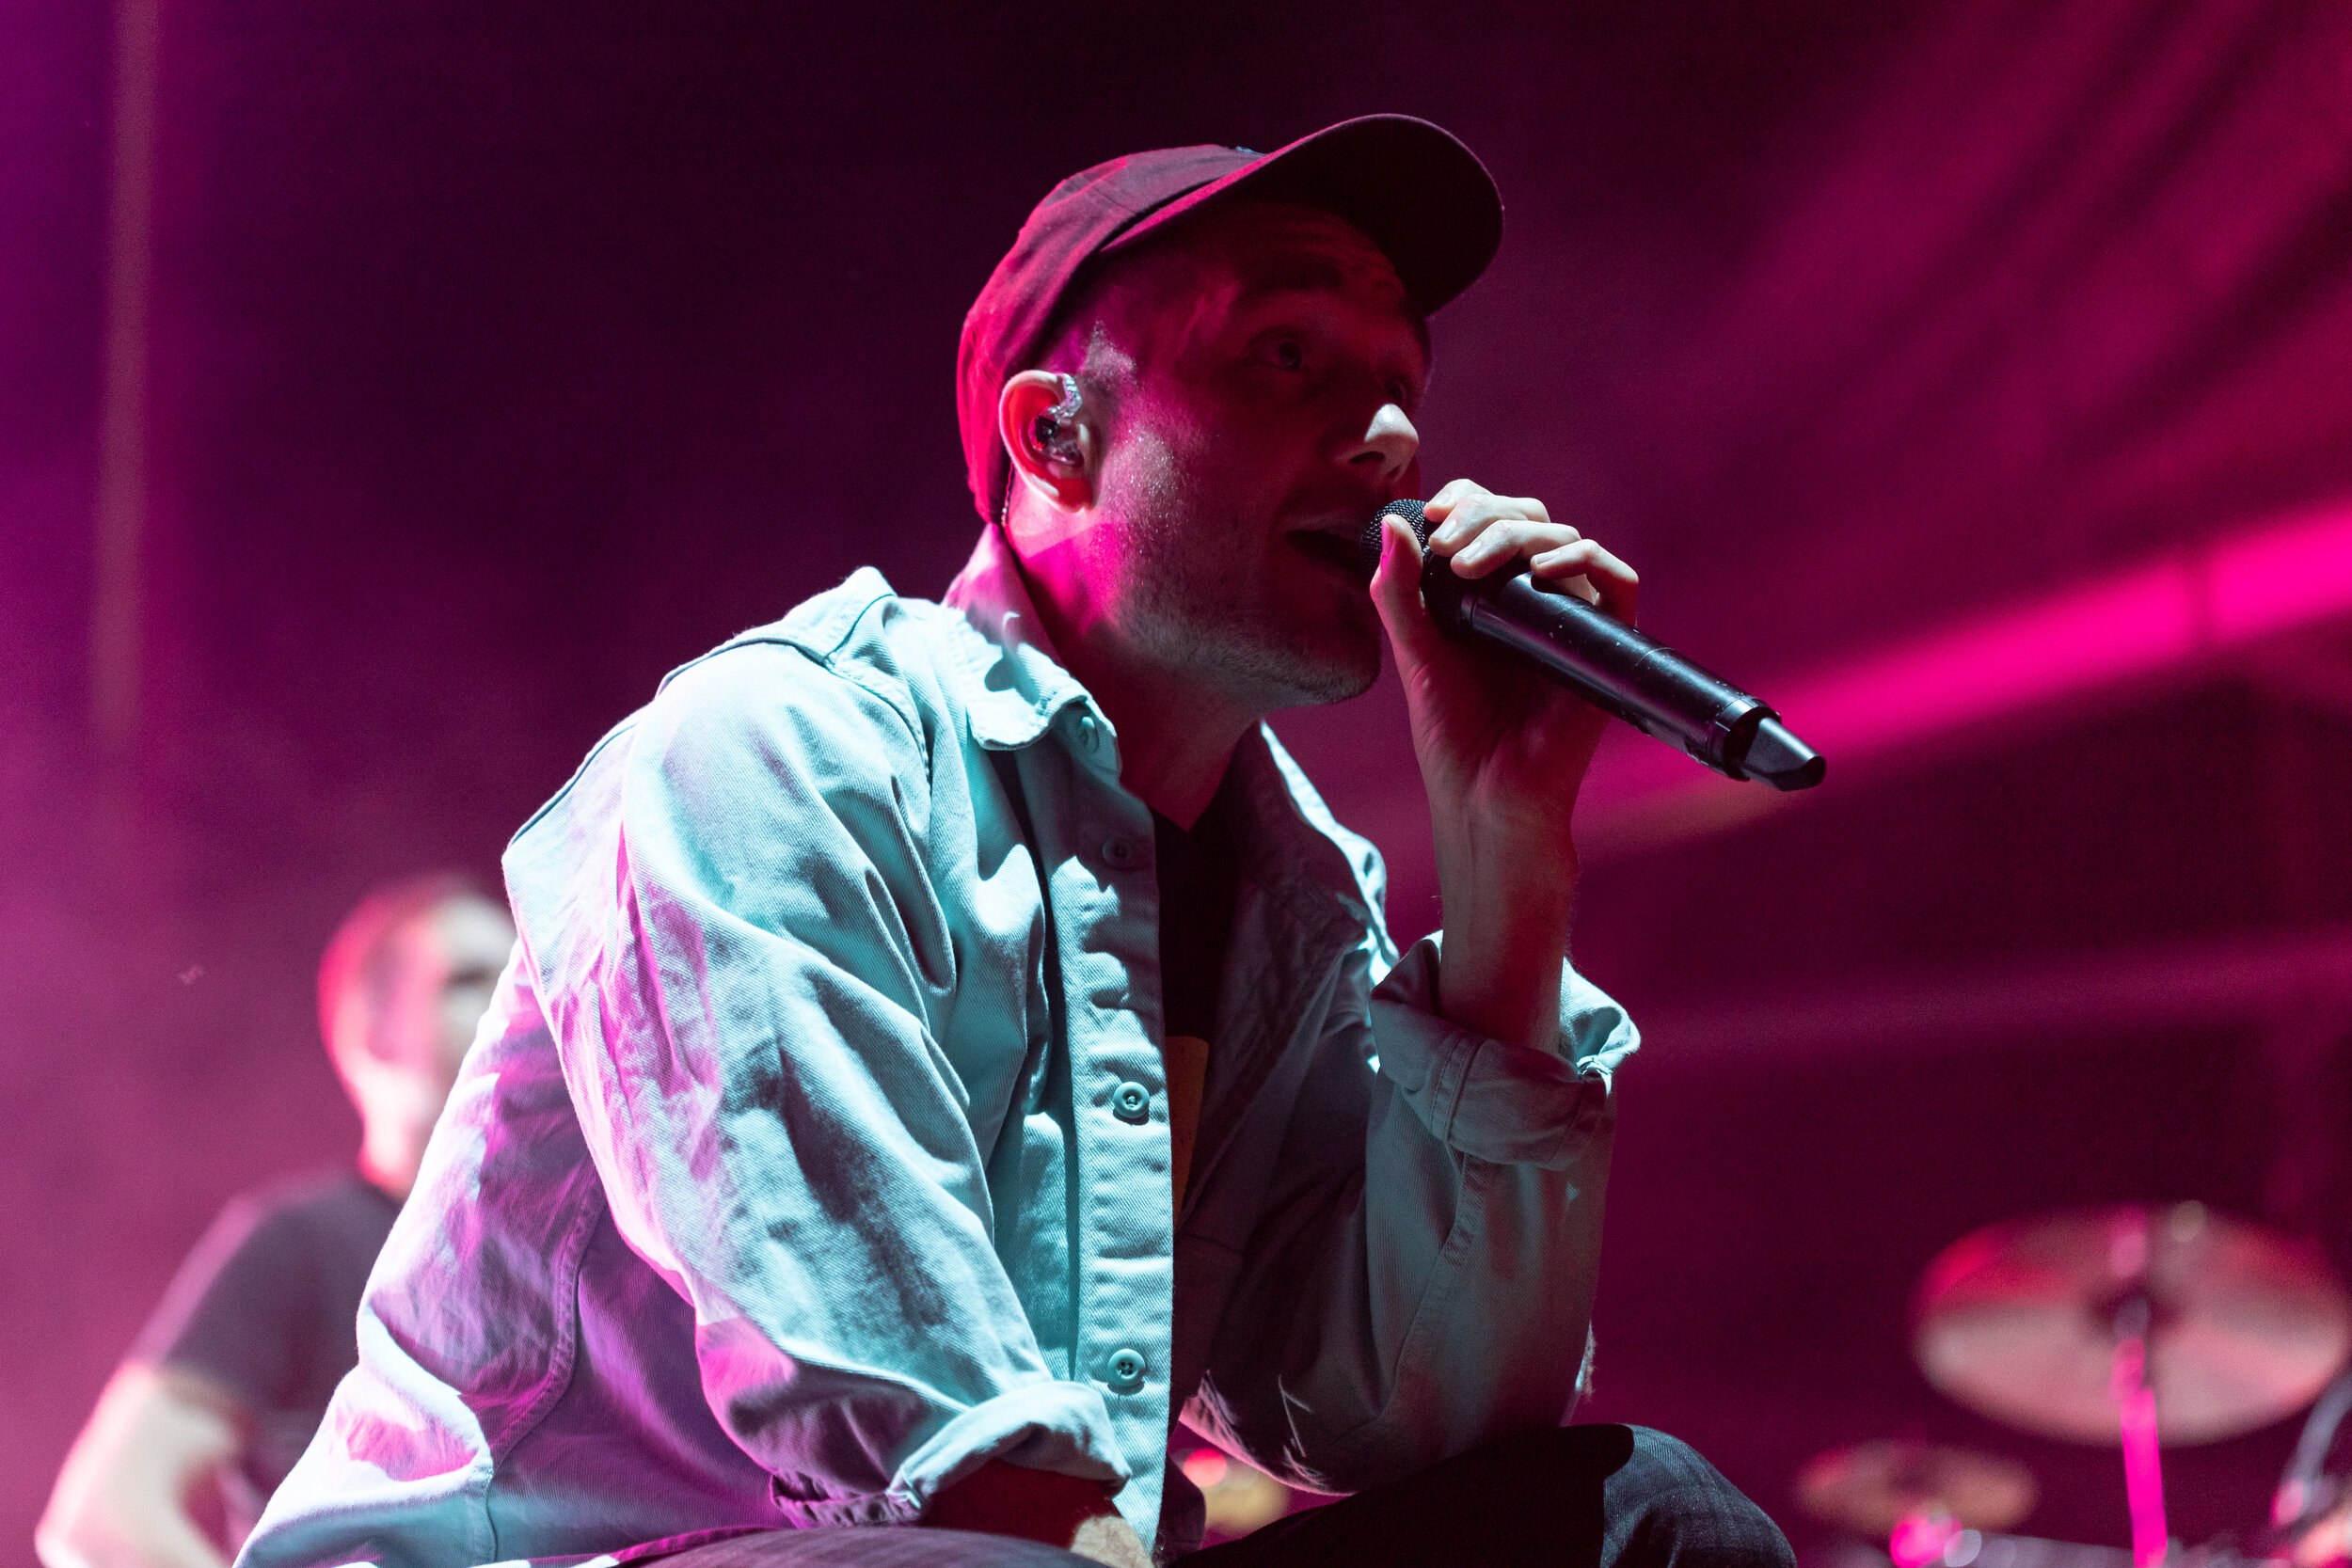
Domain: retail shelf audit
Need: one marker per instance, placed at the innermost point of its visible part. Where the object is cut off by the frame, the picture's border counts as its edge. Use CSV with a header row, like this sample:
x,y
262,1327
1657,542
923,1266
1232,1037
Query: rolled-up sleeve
x,y
1494,1100
1430,1288
746,965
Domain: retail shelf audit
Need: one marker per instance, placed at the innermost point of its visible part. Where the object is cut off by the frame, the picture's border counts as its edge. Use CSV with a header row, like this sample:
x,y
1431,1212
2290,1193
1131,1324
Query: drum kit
x,y
2131,1327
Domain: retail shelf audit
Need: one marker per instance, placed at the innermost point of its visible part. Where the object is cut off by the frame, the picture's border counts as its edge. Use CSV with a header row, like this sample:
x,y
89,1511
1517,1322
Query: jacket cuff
x,y
1062,1427
1490,1099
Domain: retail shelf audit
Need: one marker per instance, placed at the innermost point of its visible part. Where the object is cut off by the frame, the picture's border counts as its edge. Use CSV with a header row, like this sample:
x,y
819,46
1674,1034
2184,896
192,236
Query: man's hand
x,y
1069,1511
1111,1541
1501,751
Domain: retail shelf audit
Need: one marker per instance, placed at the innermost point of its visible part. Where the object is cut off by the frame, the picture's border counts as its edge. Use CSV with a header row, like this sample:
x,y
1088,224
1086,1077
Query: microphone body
x,y
1610,665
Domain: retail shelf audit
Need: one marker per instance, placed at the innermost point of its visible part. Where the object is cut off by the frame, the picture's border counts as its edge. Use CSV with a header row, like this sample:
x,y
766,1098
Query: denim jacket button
x,y
1131,1102
1124,1373
1119,853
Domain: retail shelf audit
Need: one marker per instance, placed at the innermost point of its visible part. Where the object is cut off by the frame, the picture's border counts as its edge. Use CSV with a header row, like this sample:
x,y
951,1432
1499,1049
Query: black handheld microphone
x,y
1609,664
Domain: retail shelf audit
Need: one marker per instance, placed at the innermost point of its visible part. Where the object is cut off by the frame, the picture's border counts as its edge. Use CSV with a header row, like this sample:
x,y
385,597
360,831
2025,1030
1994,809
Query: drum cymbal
x,y
1871,1486
2019,1321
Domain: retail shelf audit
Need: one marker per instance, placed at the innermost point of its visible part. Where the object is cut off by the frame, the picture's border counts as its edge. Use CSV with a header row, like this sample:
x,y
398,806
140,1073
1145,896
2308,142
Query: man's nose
x,y
1389,444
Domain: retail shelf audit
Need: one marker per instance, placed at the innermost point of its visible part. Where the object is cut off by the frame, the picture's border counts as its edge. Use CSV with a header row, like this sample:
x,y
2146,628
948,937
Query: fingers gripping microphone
x,y
1610,665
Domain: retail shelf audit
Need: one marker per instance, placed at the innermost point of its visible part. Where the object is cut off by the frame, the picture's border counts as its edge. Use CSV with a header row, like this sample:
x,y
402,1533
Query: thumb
x,y
1396,593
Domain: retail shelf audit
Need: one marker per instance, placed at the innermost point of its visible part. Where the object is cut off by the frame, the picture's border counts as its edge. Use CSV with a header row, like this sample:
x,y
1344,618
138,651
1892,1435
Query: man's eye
x,y
1284,354
1400,391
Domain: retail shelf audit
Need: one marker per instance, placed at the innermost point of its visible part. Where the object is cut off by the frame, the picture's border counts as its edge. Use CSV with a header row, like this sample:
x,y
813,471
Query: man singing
x,y
948,1040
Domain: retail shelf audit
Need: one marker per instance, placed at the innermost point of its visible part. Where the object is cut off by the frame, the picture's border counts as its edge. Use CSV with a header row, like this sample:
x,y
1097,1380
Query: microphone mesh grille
x,y
1368,547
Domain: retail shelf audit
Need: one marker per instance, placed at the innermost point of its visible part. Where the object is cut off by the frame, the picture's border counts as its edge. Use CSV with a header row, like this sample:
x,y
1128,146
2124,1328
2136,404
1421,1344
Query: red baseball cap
x,y
1414,190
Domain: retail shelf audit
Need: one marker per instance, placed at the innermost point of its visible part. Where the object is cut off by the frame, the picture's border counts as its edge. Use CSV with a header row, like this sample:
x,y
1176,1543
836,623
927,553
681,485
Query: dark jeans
x,y
1581,1496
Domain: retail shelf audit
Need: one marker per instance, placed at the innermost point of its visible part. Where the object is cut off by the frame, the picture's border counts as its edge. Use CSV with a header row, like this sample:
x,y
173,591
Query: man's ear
x,y
1054,449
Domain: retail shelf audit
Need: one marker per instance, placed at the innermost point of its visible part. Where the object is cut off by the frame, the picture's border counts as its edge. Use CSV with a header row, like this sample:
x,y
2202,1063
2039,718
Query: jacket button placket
x,y
1123,1246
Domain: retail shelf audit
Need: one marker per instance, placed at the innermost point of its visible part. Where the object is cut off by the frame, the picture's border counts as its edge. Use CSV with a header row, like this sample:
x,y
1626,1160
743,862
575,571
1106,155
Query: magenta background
x,y
507,356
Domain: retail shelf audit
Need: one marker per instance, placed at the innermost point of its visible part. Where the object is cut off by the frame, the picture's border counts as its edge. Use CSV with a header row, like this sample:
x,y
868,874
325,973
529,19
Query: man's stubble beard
x,y
1195,605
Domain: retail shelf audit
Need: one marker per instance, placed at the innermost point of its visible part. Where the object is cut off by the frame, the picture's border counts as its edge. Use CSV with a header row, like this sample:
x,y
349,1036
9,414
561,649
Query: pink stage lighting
x,y
2166,616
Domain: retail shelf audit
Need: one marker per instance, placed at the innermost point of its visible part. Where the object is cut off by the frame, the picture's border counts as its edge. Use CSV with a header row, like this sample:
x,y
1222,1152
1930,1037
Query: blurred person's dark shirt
x,y
266,1308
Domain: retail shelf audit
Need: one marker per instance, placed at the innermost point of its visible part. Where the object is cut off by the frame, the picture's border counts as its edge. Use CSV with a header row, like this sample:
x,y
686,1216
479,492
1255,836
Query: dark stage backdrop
x,y
502,357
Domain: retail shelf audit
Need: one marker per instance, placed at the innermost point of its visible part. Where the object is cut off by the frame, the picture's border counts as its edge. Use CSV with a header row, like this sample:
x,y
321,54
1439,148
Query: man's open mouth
x,y
1337,547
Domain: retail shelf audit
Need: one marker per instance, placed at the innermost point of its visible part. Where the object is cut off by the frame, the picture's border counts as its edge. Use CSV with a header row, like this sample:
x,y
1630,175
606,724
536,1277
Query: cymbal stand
x,y
2135,1413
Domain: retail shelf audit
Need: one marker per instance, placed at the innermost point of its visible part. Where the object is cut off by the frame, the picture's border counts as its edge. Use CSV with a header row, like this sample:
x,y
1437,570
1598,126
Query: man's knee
x,y
1597,1496
1668,1506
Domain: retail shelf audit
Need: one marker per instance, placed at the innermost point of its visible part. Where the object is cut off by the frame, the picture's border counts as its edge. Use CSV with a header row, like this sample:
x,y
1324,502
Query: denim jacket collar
x,y
1014,685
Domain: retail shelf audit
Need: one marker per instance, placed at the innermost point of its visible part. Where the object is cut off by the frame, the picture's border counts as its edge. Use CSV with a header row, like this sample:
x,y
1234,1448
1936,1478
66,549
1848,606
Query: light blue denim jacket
x,y
789,1179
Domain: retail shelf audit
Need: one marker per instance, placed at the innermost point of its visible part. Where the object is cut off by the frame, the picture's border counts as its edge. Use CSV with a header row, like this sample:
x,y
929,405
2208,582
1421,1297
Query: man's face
x,y
1264,368
451,957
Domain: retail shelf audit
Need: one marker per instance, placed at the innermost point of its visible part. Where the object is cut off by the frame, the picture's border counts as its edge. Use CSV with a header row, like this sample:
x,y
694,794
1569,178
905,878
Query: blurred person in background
x,y
224,1387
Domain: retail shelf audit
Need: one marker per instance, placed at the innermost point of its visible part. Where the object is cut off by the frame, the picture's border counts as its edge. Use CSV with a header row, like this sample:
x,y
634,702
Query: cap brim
x,y
1415,191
